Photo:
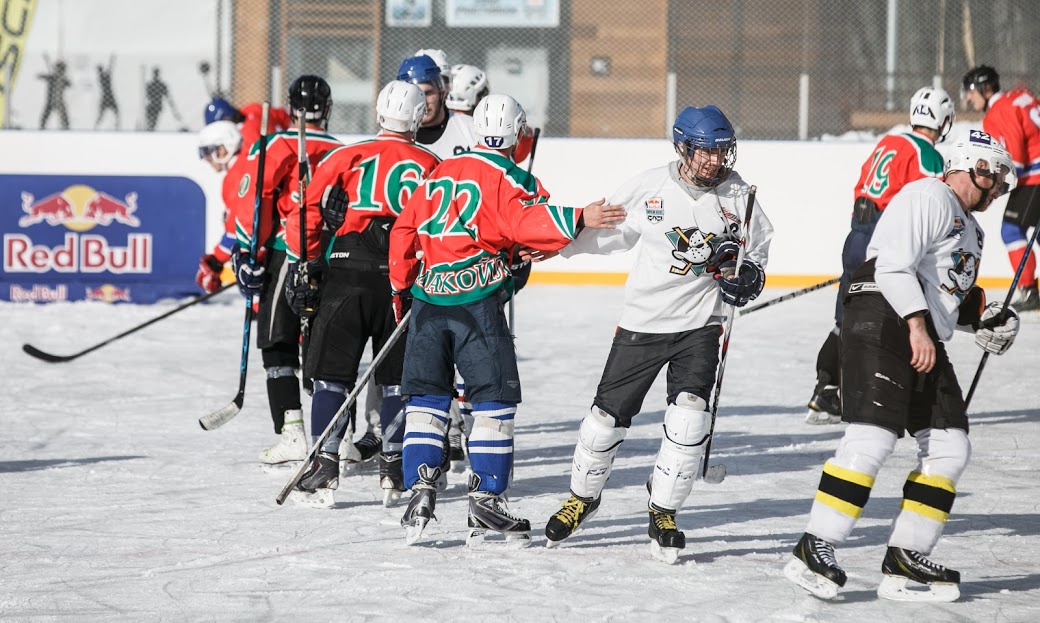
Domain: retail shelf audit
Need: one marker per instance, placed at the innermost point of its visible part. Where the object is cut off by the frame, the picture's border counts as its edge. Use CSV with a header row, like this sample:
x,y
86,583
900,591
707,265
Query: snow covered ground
x,y
117,506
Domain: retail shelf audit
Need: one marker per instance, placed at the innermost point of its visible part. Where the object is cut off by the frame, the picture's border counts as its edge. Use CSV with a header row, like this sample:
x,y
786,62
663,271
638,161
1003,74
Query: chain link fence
x,y
780,69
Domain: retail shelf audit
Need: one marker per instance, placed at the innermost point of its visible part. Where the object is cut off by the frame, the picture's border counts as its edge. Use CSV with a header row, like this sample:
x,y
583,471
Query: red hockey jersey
x,y
465,219
379,176
897,160
1013,119
281,182
278,120
234,186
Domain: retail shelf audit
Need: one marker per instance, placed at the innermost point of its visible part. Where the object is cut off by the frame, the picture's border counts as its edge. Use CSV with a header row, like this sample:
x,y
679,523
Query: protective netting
x,y
780,69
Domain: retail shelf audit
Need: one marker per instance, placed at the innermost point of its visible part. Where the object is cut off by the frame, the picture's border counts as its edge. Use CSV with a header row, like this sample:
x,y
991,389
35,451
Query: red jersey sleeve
x,y
404,242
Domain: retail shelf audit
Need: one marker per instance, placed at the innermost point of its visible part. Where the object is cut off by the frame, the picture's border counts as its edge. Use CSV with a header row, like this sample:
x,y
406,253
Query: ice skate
x,y
356,454
666,540
825,407
566,521
1026,298
292,443
316,488
814,567
419,513
902,566
391,481
489,516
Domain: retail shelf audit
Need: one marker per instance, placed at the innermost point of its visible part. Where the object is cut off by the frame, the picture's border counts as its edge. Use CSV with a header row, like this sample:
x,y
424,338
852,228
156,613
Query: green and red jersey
x,y
465,219
897,160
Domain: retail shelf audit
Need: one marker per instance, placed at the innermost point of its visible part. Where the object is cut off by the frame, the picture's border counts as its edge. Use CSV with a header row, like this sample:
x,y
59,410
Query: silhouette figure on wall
x,y
155,92
57,82
108,98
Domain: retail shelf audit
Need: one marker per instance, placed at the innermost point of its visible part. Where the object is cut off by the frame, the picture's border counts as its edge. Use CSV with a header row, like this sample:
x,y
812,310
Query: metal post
x,y
669,104
803,107
276,86
891,41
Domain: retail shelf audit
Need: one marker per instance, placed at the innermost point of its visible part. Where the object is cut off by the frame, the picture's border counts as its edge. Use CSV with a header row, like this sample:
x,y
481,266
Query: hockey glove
x,y
997,330
334,203
521,270
727,251
402,302
303,288
250,278
737,290
208,276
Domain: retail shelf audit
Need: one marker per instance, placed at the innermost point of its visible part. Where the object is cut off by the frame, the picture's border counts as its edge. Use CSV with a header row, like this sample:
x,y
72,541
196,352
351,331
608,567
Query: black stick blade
x,y
32,351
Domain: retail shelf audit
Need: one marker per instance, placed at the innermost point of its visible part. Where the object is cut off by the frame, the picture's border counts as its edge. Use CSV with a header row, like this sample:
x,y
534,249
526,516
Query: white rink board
x,y
804,187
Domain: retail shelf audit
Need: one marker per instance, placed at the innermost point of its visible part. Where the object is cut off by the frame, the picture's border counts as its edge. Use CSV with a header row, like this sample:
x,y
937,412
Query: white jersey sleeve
x,y
927,251
459,135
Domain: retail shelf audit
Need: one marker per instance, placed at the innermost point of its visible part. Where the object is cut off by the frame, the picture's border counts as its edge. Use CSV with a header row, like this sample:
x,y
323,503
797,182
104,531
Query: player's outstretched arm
x,y
602,215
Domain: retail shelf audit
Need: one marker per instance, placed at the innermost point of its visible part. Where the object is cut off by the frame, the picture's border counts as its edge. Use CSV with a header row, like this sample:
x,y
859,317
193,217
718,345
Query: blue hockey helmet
x,y
708,129
420,69
219,109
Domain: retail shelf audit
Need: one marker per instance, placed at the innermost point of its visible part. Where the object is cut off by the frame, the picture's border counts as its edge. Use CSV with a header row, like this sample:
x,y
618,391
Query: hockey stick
x,y
223,415
995,320
530,165
788,296
345,407
32,351
716,473
301,186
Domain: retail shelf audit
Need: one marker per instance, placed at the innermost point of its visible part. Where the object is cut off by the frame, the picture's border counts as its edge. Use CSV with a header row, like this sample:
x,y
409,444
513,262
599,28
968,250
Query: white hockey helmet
x,y
499,120
468,85
400,107
441,59
980,153
220,134
932,108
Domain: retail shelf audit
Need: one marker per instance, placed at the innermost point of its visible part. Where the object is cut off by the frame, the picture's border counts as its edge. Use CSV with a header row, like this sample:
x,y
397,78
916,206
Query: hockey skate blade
x,y
818,418
489,539
391,497
414,531
321,498
716,474
667,555
797,572
551,544
894,587
280,469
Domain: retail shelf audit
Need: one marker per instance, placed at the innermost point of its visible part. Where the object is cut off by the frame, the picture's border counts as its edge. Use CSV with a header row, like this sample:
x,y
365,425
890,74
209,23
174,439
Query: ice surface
x,y
117,506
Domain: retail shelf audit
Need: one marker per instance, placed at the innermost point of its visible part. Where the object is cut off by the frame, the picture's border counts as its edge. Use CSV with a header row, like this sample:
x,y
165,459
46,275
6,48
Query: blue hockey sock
x,y
327,399
426,423
491,445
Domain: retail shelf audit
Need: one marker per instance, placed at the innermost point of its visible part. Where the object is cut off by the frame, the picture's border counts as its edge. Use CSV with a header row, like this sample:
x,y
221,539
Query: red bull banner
x,y
107,238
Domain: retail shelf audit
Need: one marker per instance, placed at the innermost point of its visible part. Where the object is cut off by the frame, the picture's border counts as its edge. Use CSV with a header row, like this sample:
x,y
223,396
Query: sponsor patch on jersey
x,y
958,228
655,209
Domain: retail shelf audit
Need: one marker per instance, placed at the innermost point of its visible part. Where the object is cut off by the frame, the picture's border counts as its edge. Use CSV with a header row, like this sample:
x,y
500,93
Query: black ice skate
x,y
815,568
456,451
364,450
824,406
321,479
903,565
665,537
489,512
566,521
1027,298
421,505
391,480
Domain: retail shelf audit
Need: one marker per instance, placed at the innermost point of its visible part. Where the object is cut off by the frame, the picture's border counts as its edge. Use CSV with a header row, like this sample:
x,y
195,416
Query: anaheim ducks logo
x,y
693,248
962,275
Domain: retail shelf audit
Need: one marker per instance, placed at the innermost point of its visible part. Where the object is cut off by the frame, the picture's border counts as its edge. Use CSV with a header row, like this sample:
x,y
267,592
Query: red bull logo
x,y
79,208
38,294
108,293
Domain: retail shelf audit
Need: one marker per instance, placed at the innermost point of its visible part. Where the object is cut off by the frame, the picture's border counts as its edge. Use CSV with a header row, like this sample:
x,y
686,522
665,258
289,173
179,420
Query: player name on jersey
x,y
87,253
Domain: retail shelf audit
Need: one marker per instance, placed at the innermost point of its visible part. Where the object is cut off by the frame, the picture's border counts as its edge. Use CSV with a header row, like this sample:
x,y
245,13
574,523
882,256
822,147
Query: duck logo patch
x,y
692,248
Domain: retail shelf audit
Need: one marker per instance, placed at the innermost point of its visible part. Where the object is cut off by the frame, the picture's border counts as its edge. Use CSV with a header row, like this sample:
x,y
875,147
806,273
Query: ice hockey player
x,y
457,317
248,119
219,145
896,160
278,327
1012,119
441,132
357,191
684,220
469,85
441,59
915,289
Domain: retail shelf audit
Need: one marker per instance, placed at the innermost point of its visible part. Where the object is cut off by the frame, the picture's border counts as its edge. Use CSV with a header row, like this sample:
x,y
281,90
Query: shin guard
x,y
598,440
686,429
391,418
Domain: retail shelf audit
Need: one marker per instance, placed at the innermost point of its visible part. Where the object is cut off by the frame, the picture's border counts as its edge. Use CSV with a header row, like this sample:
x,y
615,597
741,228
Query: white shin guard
x,y
686,429
930,489
598,442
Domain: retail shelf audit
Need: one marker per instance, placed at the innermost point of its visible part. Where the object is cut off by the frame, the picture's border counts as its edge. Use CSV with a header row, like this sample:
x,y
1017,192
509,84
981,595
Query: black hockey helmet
x,y
313,95
980,77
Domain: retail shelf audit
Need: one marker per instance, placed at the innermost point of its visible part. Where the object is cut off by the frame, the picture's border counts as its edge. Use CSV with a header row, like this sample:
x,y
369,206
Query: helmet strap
x,y
985,192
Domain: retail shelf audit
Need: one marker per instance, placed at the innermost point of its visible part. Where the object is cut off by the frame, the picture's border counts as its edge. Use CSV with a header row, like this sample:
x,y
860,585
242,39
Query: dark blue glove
x,y
739,289
250,278
303,291
334,204
727,251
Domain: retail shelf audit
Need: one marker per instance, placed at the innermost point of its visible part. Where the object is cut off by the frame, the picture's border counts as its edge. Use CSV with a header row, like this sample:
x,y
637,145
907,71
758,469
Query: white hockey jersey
x,y
459,135
928,250
675,228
